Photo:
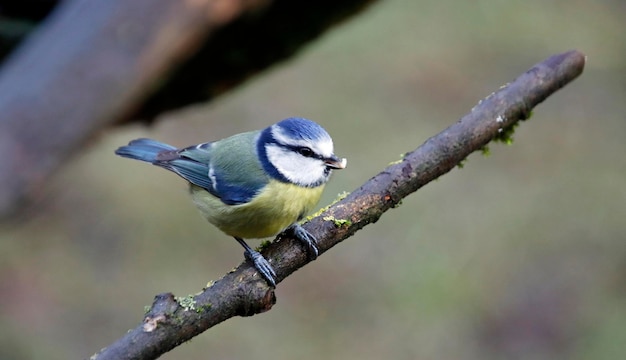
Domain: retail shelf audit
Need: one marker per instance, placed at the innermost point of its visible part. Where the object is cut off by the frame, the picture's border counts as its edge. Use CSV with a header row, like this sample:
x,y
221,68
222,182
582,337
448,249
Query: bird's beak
x,y
336,163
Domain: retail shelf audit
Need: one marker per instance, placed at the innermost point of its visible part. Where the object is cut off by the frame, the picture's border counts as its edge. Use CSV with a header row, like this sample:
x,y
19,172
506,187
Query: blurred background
x,y
518,255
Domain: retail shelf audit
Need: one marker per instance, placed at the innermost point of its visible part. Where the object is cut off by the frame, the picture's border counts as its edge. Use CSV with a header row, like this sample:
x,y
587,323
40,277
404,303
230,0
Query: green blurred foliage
x,y
518,255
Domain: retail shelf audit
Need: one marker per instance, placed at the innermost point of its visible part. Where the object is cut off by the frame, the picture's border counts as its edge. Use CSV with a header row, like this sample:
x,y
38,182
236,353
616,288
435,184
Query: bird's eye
x,y
305,151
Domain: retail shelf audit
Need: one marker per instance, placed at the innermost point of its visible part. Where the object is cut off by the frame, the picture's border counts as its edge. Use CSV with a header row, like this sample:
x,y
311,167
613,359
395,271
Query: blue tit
x,y
254,184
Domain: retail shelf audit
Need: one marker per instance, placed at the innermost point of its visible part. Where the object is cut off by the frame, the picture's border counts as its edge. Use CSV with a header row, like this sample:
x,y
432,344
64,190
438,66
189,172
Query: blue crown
x,y
302,129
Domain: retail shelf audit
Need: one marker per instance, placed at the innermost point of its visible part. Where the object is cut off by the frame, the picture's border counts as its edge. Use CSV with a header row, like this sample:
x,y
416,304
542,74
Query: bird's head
x,y
298,151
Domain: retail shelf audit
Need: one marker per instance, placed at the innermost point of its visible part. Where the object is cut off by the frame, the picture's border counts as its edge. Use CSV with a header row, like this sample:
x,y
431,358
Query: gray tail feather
x,y
143,149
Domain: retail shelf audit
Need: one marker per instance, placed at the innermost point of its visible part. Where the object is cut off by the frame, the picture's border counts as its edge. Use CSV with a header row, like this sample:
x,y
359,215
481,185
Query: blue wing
x,y
223,173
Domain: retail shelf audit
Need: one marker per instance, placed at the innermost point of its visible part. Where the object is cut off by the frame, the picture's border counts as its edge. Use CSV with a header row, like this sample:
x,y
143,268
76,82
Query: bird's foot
x,y
260,263
306,239
262,266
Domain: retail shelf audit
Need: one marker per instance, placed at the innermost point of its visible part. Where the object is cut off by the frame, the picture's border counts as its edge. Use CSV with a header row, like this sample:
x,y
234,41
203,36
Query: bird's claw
x,y
306,239
262,266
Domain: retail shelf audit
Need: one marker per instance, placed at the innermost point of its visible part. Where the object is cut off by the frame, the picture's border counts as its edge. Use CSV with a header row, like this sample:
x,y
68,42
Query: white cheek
x,y
295,167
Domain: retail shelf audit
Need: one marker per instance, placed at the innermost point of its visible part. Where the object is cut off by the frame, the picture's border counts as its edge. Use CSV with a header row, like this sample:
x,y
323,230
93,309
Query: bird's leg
x,y
305,238
260,263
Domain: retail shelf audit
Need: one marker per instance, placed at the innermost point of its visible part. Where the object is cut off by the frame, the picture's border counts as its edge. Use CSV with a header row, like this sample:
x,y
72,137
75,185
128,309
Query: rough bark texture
x,y
241,292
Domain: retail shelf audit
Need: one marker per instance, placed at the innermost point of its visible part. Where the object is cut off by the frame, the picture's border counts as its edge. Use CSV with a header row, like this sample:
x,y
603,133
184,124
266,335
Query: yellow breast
x,y
271,211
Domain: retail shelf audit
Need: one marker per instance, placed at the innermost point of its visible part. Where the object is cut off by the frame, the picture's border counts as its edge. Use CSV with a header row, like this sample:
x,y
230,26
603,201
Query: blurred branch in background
x,y
92,63
172,321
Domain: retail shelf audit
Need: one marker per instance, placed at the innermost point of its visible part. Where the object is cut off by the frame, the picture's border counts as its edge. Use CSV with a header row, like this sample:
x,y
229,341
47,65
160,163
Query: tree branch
x,y
241,292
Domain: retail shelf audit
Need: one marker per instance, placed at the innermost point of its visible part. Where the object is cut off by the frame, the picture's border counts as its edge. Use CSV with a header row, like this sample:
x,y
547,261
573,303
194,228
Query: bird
x,y
254,184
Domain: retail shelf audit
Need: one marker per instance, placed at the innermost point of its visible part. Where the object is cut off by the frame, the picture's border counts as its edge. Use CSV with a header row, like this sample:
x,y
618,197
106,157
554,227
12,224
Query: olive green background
x,y
519,255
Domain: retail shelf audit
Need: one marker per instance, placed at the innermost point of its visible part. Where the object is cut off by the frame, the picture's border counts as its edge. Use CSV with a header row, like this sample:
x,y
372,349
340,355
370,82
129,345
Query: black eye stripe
x,y
303,150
